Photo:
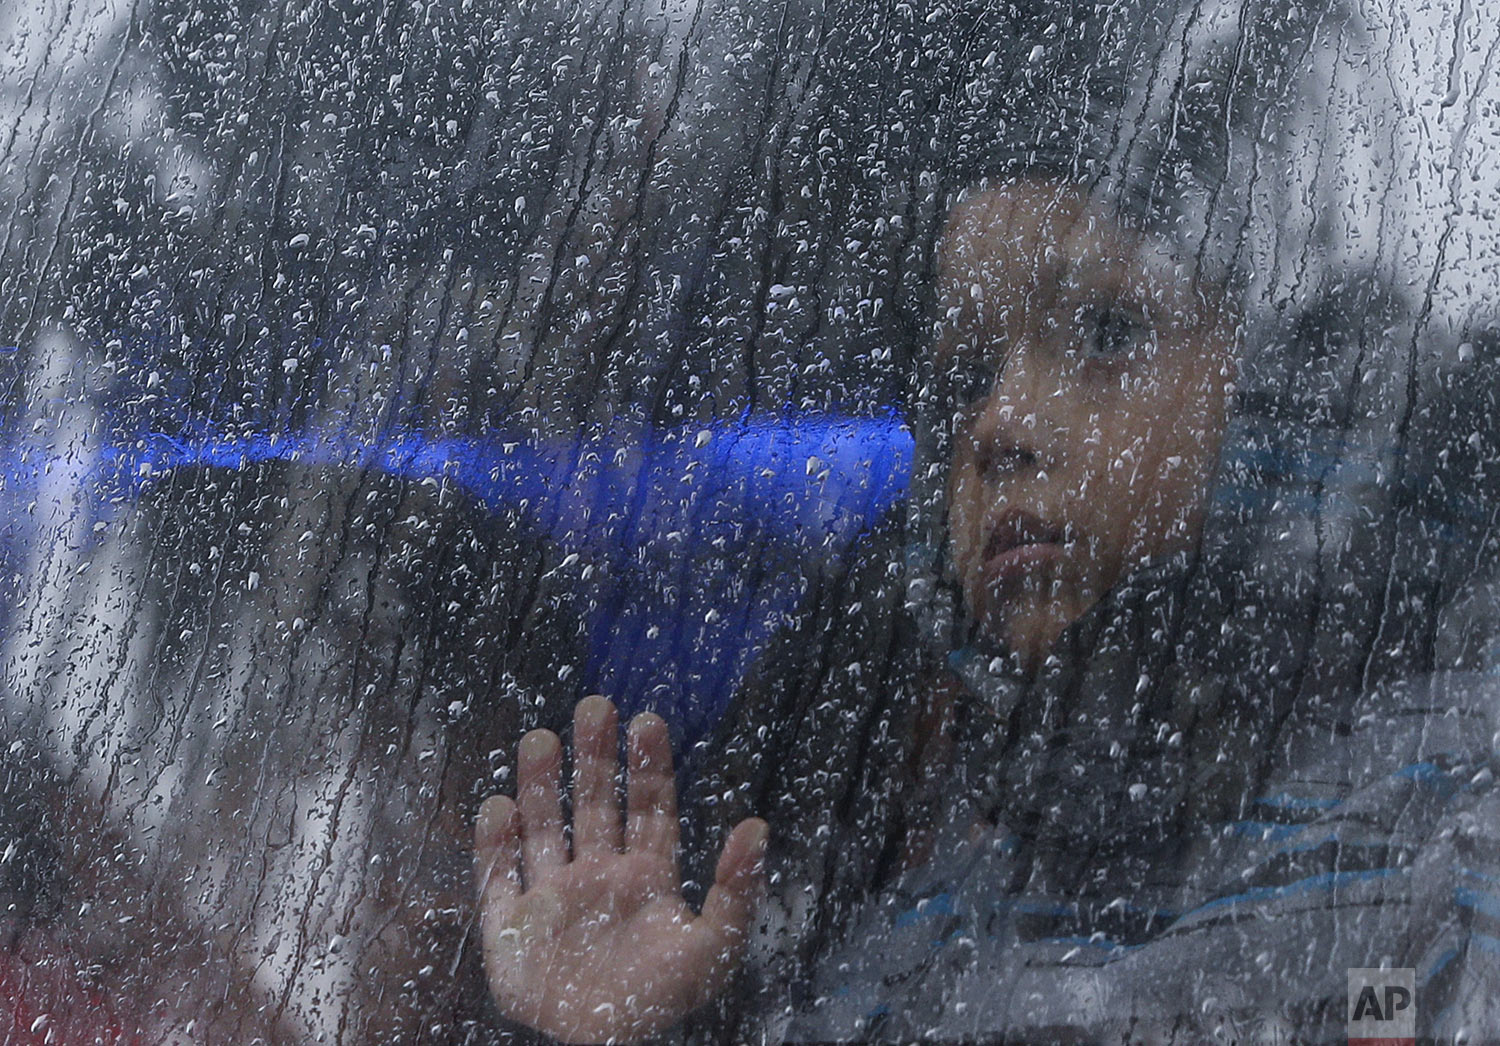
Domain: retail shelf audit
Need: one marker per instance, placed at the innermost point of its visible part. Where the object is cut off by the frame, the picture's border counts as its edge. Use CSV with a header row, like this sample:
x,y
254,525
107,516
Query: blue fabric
x,y
703,534
1398,867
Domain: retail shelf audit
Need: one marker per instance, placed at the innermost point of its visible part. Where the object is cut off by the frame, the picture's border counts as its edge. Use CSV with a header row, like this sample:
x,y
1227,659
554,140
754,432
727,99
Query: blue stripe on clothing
x,y
1267,831
1327,881
1486,943
937,904
1483,903
1481,876
1287,801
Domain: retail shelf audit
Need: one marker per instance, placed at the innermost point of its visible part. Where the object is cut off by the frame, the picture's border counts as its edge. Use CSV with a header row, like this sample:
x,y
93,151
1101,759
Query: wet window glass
x,y
745,521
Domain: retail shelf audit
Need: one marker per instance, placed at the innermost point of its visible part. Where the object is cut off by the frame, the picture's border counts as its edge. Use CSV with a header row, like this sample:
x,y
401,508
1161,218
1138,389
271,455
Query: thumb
x,y
739,878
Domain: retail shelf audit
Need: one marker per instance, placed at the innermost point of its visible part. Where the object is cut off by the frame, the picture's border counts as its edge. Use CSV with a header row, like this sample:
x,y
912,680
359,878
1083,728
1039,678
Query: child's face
x,y
1091,383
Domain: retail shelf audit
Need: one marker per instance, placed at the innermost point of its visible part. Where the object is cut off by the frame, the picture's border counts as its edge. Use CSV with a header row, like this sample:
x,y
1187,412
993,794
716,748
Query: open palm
x,y
599,945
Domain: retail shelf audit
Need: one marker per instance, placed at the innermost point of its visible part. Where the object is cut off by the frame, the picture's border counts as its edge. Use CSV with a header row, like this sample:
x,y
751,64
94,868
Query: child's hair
x,y
1184,120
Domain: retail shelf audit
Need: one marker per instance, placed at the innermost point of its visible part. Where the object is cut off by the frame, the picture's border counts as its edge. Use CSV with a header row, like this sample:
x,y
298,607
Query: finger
x,y
716,938
738,879
651,822
596,804
539,775
497,852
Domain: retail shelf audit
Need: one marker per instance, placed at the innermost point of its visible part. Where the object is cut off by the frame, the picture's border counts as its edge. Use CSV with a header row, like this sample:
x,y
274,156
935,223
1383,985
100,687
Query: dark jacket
x,y
1201,812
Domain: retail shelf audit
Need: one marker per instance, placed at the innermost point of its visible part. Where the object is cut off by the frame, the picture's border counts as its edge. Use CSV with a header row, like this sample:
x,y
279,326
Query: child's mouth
x,y
1019,543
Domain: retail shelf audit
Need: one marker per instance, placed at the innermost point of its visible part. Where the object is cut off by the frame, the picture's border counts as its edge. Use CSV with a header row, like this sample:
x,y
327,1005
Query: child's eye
x,y
969,381
1110,331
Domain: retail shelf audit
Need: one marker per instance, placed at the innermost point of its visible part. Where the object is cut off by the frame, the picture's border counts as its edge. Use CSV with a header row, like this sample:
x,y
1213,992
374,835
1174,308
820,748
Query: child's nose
x,y
1006,440
1004,457
1012,433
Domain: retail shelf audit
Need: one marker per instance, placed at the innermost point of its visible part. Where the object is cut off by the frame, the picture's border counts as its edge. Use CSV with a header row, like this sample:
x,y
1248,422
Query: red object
x,y
45,1001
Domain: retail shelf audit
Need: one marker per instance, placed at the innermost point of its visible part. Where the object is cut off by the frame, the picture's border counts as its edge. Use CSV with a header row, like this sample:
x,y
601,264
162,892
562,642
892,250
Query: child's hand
x,y
601,946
